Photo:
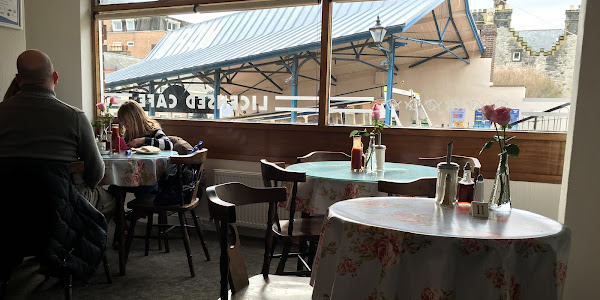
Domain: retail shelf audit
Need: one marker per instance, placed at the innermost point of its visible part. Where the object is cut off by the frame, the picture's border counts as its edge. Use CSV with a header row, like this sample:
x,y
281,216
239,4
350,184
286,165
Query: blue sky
x,y
533,14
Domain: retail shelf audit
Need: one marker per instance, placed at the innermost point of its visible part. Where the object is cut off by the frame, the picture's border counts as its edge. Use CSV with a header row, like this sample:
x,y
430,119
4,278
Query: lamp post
x,y
378,34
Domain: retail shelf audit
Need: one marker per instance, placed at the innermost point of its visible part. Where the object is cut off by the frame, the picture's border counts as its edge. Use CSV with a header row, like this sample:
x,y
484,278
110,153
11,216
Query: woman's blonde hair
x,y
137,121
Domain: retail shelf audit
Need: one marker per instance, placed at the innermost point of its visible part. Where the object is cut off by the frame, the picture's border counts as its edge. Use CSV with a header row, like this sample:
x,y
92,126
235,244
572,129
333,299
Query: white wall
x,y
580,203
13,43
61,28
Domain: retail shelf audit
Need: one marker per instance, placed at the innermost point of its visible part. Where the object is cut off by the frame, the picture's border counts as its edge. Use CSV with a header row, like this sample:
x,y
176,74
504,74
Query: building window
x,y
130,25
117,25
172,25
130,44
163,115
516,56
177,116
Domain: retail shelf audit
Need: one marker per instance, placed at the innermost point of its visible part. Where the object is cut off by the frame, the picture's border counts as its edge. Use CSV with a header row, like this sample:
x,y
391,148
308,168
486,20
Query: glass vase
x,y
500,197
370,165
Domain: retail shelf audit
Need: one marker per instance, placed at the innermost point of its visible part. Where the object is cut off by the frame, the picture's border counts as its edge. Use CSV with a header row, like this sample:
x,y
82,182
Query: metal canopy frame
x,y
292,64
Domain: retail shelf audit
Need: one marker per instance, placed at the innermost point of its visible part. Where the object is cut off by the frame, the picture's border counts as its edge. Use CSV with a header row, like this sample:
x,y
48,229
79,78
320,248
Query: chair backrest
x,y
323,156
459,159
196,160
180,145
273,175
423,187
222,201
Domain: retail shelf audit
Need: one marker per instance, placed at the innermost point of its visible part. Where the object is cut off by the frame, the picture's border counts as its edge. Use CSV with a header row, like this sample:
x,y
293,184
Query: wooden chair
x,y
223,199
459,159
322,156
423,187
293,230
145,205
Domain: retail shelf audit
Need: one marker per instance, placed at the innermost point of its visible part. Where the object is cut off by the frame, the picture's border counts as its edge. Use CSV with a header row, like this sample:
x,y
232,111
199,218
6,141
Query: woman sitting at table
x,y
139,130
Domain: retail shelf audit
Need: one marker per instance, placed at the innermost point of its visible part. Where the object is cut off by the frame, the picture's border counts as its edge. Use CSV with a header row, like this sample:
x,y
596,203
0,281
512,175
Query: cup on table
x,y
101,146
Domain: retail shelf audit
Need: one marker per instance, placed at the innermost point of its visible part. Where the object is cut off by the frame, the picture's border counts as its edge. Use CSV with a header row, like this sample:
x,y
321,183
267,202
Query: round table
x,y
411,248
131,170
135,169
331,181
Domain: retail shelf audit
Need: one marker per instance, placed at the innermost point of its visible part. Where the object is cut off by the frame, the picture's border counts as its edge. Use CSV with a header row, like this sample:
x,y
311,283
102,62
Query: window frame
x,y
537,148
128,22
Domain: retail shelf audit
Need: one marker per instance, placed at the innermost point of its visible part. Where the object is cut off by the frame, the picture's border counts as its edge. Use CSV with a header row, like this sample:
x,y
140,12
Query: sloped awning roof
x,y
249,36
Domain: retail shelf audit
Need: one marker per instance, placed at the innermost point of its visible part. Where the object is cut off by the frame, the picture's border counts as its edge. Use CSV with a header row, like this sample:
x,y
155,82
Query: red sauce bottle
x,y
356,156
115,139
466,186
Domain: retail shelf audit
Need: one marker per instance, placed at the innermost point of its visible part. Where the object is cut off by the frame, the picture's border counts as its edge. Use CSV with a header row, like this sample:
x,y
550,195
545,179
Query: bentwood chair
x,y
423,187
222,201
145,205
323,156
459,159
291,231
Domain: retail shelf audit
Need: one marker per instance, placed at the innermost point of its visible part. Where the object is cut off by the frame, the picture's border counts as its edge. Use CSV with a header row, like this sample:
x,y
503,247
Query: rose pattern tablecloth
x,y
403,248
328,182
135,170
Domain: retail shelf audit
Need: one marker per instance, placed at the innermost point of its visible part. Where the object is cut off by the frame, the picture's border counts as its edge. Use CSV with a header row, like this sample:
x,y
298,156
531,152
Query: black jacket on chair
x,y
43,215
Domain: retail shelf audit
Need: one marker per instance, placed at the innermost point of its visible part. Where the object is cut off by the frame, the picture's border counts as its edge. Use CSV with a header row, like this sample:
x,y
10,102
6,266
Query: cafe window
x,y
273,73
265,78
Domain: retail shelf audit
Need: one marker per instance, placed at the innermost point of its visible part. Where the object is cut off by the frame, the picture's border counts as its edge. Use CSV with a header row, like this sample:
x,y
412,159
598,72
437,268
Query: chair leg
x,y
186,241
162,220
284,255
302,248
150,219
129,240
200,234
68,283
106,268
165,235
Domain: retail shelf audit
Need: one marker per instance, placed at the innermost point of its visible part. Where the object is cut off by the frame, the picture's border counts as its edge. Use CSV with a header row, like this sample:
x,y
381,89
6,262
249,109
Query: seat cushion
x,y
276,288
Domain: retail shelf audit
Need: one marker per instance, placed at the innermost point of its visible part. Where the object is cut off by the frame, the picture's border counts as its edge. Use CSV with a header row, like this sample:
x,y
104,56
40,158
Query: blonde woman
x,y
139,130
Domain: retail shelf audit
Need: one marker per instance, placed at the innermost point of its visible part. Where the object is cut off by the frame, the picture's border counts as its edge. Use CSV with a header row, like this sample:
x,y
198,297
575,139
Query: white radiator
x,y
253,215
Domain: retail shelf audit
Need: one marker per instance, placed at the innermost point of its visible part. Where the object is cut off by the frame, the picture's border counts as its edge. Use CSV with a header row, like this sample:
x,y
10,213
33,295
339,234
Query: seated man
x,y
42,214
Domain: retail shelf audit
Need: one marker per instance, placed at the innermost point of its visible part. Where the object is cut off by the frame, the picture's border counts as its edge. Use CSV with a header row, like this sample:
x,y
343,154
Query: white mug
x,y
101,146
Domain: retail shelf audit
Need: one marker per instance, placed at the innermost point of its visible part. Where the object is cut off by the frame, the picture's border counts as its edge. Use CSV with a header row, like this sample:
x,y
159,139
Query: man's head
x,y
35,67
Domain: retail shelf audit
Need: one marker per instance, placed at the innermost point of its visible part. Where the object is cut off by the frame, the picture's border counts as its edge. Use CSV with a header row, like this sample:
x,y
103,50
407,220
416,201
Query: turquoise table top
x,y
340,170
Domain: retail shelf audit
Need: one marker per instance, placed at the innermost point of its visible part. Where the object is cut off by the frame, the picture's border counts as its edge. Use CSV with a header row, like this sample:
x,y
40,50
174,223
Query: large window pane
x,y
246,66
440,62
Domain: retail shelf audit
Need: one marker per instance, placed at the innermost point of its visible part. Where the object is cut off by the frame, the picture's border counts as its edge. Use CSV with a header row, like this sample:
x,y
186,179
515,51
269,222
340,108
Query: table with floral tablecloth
x,y
126,170
411,248
328,182
136,169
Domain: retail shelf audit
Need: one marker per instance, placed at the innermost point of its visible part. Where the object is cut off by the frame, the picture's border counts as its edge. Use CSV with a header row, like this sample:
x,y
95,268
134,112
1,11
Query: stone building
x,y
551,51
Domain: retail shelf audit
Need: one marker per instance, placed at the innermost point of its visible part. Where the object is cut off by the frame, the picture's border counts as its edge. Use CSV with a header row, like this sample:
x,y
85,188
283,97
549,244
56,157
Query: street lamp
x,y
378,32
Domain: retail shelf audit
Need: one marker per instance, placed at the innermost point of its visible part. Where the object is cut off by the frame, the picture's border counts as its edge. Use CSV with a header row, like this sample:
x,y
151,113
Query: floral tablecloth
x,y
136,169
328,182
410,248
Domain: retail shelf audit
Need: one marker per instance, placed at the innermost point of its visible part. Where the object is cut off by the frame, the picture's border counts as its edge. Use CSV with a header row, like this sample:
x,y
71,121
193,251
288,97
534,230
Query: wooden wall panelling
x,y
541,158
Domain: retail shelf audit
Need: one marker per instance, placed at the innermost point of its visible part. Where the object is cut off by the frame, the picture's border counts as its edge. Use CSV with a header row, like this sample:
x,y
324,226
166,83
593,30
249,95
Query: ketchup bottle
x,y
116,147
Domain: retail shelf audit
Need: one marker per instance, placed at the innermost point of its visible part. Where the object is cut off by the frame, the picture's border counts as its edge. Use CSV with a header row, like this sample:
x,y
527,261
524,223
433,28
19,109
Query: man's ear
x,y
55,78
19,79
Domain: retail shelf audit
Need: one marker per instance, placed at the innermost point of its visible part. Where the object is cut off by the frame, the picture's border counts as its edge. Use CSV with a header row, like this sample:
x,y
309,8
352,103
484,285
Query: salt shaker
x,y
380,157
478,195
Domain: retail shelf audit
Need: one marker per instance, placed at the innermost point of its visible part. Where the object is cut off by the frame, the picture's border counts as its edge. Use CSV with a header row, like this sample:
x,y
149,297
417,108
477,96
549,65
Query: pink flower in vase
x,y
376,114
114,100
501,116
101,106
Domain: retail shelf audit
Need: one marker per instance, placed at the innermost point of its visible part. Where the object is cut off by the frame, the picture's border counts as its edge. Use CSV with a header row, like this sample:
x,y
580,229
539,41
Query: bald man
x,y
36,124
40,209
